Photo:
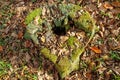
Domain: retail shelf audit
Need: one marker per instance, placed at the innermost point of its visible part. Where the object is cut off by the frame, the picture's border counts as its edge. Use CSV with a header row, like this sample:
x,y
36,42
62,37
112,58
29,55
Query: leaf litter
x,y
44,37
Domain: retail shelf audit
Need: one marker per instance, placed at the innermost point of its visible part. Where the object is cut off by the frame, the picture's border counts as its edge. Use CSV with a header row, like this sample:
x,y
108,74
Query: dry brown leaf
x,y
95,49
20,34
43,39
89,75
105,57
1,48
0,15
108,5
116,4
63,38
20,10
92,64
115,11
22,24
27,43
36,21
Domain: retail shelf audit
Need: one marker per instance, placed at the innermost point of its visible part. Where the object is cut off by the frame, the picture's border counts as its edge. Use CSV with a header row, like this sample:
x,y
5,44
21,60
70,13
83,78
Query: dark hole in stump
x,y
59,30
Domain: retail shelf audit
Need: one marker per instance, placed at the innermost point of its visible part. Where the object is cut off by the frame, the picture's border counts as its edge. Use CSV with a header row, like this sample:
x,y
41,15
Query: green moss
x,y
27,35
31,29
71,41
31,33
47,54
63,66
32,15
85,22
76,53
68,64
69,9
75,58
4,68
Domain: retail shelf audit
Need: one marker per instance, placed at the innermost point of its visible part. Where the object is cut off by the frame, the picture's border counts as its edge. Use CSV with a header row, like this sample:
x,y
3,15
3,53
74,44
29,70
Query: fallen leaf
x,y
63,38
23,25
95,49
0,15
116,4
1,48
105,57
115,11
20,34
20,10
89,75
27,43
108,5
92,65
43,39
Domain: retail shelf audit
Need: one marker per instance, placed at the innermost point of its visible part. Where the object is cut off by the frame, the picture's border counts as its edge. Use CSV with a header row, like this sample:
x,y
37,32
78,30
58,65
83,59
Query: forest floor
x,y
20,58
